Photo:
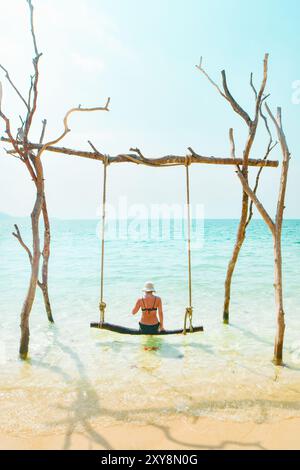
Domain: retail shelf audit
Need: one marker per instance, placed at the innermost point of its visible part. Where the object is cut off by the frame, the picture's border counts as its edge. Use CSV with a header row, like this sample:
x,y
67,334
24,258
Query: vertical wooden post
x,y
27,306
102,304
189,309
276,230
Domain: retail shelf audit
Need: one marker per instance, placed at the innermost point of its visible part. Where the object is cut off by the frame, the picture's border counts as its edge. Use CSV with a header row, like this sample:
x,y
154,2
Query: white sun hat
x,y
149,287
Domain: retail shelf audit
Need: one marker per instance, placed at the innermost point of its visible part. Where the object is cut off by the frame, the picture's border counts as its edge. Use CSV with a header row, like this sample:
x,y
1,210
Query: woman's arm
x,y
136,307
161,315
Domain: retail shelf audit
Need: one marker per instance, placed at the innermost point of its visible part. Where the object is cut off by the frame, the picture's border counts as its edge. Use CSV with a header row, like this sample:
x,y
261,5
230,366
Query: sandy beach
x,y
165,202
197,434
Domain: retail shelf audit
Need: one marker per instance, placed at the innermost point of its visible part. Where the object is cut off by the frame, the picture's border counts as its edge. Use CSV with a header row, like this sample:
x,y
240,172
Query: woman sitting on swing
x,y
150,305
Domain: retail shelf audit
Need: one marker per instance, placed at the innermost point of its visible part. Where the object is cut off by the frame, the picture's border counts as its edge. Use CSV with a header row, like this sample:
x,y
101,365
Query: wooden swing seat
x,y
123,330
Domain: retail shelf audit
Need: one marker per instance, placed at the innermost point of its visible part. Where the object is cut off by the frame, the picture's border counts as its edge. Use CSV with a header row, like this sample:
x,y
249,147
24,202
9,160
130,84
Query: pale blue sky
x,y
143,54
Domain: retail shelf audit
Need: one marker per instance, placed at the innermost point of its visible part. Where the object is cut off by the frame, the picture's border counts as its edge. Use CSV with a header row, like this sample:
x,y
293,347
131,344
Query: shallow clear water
x,y
77,377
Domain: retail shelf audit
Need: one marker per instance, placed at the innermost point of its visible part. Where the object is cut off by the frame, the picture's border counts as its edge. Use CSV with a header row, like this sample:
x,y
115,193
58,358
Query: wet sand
x,y
196,434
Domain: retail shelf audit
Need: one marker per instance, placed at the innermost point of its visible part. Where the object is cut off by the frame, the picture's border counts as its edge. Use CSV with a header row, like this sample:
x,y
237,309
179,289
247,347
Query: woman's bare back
x,y
150,305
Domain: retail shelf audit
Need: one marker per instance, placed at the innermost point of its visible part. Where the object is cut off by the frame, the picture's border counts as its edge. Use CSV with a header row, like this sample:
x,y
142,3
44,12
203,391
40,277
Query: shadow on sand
x,y
86,407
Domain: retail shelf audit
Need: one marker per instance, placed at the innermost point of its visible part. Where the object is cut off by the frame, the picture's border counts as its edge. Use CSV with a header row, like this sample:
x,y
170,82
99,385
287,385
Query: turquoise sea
x,y
77,377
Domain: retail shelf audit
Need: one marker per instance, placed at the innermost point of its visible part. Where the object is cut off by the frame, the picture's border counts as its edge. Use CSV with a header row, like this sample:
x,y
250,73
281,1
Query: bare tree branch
x,y
96,150
14,143
269,149
12,153
18,236
158,161
252,86
234,104
262,88
232,143
34,80
30,92
263,116
228,96
66,127
278,125
44,124
137,150
13,85
256,201
285,165
199,67
32,28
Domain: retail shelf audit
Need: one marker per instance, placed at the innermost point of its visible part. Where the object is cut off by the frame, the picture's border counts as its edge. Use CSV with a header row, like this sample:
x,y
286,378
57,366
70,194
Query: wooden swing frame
x,y
166,161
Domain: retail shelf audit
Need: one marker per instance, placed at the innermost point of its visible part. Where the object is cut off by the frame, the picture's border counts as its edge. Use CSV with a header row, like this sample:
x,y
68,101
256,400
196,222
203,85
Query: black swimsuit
x,y
149,329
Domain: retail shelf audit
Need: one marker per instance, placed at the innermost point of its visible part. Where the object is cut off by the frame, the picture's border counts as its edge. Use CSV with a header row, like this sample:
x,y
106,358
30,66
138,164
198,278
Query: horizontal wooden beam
x,y
167,160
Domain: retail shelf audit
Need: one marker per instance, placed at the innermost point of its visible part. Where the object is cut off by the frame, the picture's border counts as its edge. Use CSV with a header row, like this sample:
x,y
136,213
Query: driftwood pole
x,y
276,230
45,254
252,125
45,266
43,284
34,256
22,150
35,215
23,132
158,162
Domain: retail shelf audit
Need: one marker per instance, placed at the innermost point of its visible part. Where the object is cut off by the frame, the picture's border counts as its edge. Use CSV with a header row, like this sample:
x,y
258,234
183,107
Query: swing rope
x,y
189,310
102,304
